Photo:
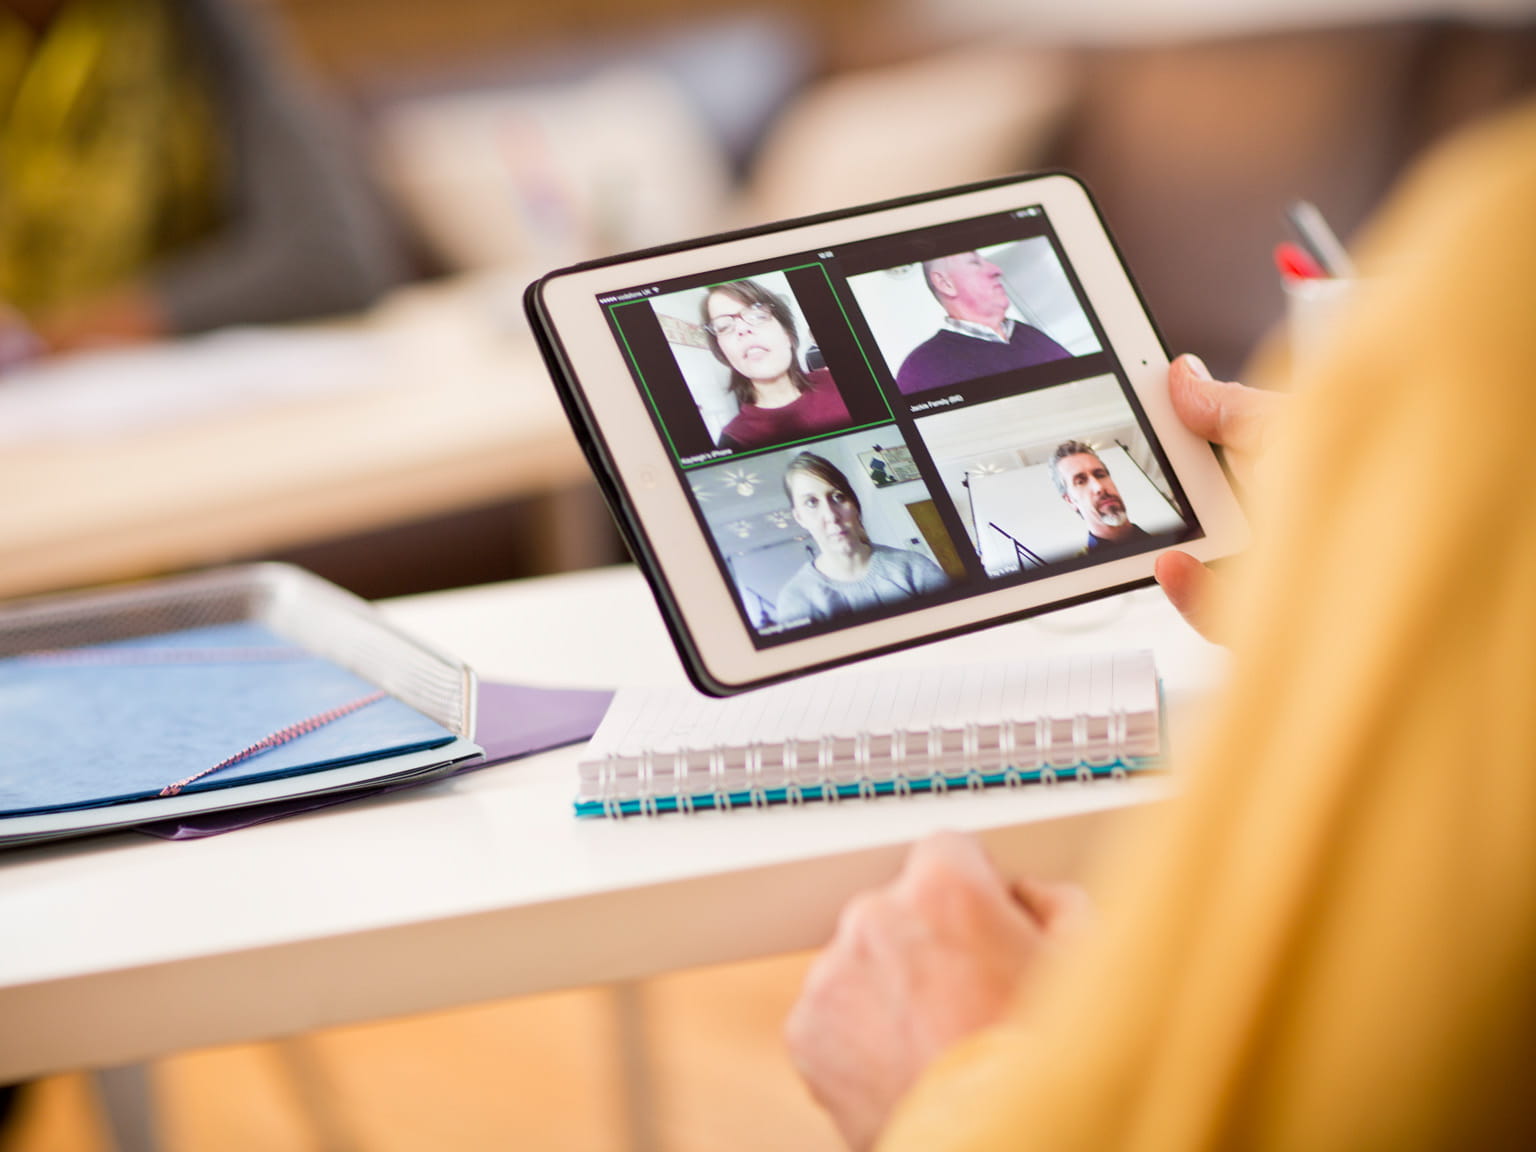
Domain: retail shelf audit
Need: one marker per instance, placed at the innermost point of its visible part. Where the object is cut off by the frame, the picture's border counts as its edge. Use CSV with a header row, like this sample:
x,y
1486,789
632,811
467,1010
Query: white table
x,y
116,950
237,445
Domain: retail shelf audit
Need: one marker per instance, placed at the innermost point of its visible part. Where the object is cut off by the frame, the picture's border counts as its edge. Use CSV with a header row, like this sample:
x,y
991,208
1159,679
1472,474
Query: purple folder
x,y
513,721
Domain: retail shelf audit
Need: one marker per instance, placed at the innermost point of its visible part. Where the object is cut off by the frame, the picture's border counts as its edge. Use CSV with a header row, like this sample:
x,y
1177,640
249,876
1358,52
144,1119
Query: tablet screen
x,y
897,422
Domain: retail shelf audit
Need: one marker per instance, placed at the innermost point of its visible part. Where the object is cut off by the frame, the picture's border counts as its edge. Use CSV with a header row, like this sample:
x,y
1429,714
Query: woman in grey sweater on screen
x,y
849,572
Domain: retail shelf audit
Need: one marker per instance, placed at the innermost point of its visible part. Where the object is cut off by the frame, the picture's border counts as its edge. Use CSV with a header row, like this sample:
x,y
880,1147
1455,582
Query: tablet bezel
x,y
651,498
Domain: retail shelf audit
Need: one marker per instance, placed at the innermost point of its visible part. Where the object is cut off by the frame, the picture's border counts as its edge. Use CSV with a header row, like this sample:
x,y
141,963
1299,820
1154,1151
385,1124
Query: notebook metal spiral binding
x,y
962,747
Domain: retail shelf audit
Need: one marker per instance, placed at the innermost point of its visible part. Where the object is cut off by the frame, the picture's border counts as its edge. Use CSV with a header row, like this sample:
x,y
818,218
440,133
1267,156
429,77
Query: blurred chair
x,y
1194,128
1194,149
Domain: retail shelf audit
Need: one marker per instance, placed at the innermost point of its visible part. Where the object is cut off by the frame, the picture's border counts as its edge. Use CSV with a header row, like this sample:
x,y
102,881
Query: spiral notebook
x,y
858,733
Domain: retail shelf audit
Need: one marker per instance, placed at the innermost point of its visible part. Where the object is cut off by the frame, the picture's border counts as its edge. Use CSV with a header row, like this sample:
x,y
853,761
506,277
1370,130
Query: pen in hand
x,y
1295,263
1319,240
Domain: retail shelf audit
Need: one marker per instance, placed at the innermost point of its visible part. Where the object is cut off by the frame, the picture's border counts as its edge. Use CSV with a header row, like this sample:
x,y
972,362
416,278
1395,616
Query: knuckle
x,y
946,868
861,917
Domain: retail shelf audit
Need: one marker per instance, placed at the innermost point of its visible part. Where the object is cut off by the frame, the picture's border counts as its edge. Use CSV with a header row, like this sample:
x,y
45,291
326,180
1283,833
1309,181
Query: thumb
x,y
1225,413
1059,908
1190,587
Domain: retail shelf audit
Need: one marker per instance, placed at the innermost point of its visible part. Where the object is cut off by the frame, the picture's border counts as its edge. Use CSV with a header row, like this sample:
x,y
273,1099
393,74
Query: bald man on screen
x,y
978,337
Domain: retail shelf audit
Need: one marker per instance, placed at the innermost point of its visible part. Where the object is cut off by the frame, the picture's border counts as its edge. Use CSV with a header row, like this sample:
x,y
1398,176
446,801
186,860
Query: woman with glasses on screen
x,y
751,331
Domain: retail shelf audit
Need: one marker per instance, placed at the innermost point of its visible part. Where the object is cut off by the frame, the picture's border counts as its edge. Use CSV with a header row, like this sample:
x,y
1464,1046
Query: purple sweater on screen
x,y
821,409
947,357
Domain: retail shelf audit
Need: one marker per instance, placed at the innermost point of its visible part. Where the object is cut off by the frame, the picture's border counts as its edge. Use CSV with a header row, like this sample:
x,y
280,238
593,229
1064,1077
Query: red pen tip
x,y
1295,263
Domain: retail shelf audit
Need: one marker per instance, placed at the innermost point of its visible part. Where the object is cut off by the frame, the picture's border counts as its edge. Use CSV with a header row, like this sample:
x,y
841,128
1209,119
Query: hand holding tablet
x,y
842,435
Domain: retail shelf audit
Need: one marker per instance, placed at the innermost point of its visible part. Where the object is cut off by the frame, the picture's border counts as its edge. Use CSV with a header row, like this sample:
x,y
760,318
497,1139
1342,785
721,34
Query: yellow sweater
x,y
1330,941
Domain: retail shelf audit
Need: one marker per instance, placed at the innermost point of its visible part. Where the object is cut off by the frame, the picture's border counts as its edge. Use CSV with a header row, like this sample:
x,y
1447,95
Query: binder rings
x,y
860,733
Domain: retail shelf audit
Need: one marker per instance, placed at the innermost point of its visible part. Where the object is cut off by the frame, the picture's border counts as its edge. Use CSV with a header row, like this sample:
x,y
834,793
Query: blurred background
x,y
315,304
261,265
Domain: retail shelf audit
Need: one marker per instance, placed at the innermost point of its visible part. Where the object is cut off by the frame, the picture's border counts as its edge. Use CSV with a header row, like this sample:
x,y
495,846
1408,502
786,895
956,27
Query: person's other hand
x,y
18,343
125,316
1236,417
935,955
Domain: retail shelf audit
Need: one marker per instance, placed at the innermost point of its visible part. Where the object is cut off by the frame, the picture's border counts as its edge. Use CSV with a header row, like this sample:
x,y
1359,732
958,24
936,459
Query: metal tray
x,y
298,605
303,609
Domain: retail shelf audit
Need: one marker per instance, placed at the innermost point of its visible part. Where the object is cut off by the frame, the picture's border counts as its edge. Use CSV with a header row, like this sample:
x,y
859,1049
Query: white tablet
x,y
845,434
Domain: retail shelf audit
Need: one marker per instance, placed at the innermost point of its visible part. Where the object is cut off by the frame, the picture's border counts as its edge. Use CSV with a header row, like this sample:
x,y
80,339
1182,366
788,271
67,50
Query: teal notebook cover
x,y
119,722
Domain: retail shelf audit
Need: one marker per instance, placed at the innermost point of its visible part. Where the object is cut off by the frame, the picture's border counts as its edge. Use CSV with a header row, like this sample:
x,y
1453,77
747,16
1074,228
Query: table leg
x,y
129,1107
636,1082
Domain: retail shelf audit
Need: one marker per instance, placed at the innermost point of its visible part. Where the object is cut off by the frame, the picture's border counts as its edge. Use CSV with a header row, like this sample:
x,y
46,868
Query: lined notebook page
x,y
857,724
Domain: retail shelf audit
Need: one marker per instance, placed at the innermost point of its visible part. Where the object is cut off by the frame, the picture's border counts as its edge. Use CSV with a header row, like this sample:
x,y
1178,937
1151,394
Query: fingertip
x,y
1191,388
1172,566
1187,584
1178,574
1195,366
950,840
948,844
943,851
946,866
